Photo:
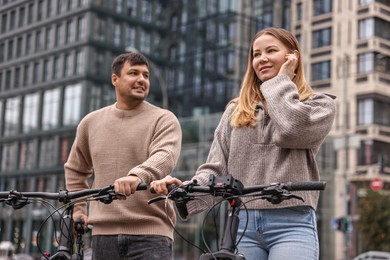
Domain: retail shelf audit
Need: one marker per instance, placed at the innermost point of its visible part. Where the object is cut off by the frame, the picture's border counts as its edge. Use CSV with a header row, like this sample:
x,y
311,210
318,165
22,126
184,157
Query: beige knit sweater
x,y
112,143
280,148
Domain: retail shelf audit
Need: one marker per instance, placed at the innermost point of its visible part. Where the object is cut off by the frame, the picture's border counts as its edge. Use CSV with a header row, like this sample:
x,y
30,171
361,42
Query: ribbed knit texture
x,y
280,148
113,143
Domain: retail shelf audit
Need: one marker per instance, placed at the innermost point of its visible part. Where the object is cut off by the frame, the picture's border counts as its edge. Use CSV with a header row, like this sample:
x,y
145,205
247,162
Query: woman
x,y
271,133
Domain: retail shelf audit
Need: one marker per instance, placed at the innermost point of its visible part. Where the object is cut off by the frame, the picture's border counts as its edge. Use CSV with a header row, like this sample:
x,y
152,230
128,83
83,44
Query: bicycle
x,y
231,190
69,248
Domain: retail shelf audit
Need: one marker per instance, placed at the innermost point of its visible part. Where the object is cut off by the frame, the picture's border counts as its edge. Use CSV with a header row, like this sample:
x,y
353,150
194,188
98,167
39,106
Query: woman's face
x,y
269,54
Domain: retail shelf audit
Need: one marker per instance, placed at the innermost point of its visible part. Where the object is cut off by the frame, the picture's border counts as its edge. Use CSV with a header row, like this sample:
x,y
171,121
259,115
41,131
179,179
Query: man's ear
x,y
114,78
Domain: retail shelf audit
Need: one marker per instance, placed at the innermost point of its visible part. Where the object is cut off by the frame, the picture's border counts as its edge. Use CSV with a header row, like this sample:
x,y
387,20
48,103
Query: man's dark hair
x,y
133,58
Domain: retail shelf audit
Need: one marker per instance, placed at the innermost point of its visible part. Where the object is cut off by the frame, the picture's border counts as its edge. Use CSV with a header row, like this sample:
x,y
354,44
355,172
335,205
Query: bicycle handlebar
x,y
227,186
19,199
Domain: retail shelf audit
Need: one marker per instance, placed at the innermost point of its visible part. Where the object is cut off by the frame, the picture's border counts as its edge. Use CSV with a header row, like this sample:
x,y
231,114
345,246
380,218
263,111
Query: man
x,y
124,144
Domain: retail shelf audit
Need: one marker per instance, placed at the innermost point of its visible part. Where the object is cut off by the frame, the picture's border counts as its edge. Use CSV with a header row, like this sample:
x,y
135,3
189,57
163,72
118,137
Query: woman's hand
x,y
160,186
289,67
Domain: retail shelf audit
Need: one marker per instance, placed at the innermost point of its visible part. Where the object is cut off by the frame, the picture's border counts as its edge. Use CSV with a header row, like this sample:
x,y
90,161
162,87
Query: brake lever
x,y
16,200
278,198
156,199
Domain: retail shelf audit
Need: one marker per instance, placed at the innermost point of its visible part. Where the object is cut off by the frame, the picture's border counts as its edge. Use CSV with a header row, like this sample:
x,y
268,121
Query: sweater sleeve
x,y
78,167
164,150
298,124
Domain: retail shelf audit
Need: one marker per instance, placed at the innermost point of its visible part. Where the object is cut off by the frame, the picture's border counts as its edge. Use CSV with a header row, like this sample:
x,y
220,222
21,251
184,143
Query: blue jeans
x,y
275,234
126,247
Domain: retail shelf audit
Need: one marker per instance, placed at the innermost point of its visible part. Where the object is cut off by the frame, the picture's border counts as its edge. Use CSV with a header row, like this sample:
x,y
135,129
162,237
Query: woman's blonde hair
x,y
250,94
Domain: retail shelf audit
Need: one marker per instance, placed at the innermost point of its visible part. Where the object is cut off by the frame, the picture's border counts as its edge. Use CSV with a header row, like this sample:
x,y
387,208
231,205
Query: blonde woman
x,y
271,133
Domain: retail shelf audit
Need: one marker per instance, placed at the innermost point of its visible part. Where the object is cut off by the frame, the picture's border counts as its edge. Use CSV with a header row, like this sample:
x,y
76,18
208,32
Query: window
x,y
3,23
80,62
209,61
374,152
119,6
132,7
117,34
49,8
57,68
322,38
374,110
30,113
22,14
322,6
72,104
2,49
12,19
49,41
221,59
8,80
299,11
47,153
47,70
81,28
38,41
68,65
366,28
366,62
51,105
145,42
66,145
9,156
19,47
69,32
11,116
95,98
222,34
26,75
17,77
59,35
146,11
40,10
28,49
30,16
129,36
36,72
320,71
10,49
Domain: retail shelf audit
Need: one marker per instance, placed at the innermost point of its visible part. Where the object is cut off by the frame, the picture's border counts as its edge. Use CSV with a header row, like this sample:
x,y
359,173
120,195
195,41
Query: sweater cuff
x,y
268,87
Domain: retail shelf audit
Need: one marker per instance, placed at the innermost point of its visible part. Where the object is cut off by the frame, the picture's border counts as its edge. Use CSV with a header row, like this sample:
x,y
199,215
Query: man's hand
x,y
81,216
126,185
160,186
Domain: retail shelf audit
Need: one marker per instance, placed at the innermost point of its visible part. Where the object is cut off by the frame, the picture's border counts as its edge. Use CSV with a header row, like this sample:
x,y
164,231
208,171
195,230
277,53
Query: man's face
x,y
132,86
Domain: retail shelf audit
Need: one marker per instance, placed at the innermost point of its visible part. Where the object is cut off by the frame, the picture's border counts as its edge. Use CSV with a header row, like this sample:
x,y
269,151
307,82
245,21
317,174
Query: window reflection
x,y
12,111
30,112
9,156
28,154
72,104
51,102
47,153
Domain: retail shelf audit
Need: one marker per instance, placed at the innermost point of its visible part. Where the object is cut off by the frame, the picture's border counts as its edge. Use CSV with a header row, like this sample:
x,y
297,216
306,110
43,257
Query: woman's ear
x,y
296,53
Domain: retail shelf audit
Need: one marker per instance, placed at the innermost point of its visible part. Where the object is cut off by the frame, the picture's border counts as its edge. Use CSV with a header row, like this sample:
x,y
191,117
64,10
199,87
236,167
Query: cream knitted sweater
x,y
280,148
112,143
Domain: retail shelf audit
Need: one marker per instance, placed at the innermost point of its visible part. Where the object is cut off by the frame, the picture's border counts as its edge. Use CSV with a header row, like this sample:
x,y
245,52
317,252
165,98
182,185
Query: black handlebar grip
x,y
142,186
170,188
296,186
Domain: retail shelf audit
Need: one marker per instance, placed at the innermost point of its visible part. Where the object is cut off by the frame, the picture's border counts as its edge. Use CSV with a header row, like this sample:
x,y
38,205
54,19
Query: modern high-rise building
x,y
55,58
